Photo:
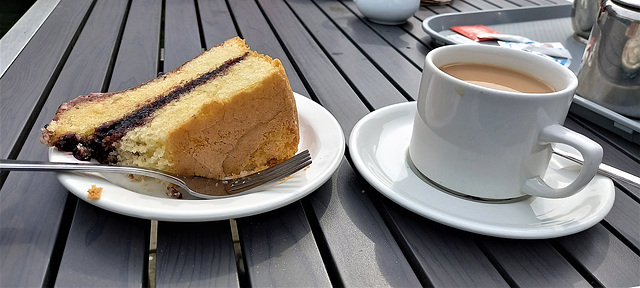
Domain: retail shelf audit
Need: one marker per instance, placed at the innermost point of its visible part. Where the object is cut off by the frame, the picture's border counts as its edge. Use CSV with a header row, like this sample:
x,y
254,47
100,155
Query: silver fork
x,y
197,186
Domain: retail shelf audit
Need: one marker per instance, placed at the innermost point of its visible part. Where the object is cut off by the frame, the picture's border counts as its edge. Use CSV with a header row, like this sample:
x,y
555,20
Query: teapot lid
x,y
634,4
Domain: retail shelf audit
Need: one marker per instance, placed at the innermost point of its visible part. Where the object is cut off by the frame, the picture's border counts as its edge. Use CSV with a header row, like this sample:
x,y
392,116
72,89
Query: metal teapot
x,y
583,15
610,72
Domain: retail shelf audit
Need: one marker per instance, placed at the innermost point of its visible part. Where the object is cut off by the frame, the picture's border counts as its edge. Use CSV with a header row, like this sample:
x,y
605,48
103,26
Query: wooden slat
x,y
195,255
502,4
248,16
437,10
390,60
396,36
625,218
424,13
610,262
331,89
31,215
547,2
217,24
364,77
492,5
524,3
533,263
364,251
139,53
30,75
280,250
442,256
462,6
181,34
104,249
414,28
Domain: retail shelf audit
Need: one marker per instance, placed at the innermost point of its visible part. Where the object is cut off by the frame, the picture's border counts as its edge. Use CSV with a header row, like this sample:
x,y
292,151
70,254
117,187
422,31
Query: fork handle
x,y
25,165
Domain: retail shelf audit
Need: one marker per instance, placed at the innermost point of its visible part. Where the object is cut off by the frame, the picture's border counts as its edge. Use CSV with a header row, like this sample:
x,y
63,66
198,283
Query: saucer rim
x,y
478,227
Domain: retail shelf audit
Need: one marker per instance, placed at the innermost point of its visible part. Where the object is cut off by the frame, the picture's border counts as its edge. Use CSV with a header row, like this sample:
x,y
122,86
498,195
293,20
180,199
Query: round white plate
x,y
319,132
379,148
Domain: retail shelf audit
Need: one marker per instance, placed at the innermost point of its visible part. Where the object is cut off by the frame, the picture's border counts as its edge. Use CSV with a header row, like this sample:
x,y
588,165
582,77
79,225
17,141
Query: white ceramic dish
x,y
319,132
388,12
378,146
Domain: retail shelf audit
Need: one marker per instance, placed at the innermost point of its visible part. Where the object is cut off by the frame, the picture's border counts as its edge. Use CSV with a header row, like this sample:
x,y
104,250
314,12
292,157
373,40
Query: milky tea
x,y
497,77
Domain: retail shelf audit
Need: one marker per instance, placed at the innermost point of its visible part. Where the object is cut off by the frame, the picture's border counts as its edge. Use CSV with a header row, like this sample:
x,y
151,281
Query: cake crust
x,y
247,141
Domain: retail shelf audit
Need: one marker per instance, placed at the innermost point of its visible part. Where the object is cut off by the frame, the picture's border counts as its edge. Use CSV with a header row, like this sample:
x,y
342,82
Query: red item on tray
x,y
472,32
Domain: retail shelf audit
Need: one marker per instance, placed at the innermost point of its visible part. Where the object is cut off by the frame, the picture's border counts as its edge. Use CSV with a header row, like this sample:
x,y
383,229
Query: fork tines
x,y
286,168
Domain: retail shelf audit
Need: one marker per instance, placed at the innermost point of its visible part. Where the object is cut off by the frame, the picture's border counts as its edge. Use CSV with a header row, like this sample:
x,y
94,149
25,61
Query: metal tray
x,y
543,24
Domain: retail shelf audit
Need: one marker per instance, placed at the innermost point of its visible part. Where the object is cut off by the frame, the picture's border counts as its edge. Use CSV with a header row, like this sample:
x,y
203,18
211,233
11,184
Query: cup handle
x,y
590,150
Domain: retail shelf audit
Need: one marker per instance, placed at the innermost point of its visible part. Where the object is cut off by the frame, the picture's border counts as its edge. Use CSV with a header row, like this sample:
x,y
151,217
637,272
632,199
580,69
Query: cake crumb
x,y
172,192
94,192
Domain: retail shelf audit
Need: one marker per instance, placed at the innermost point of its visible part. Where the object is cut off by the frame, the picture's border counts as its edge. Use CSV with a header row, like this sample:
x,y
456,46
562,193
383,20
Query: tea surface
x,y
497,77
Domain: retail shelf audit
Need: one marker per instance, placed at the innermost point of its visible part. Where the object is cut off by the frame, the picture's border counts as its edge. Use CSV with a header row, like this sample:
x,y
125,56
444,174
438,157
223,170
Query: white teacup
x,y
489,144
388,12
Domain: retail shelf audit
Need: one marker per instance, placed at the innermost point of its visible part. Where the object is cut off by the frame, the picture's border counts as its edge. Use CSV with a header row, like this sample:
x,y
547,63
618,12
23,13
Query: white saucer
x,y
379,148
319,132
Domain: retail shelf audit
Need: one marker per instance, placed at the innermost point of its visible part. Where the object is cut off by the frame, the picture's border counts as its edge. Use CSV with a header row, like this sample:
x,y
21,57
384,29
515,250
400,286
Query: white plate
x,y
379,148
319,132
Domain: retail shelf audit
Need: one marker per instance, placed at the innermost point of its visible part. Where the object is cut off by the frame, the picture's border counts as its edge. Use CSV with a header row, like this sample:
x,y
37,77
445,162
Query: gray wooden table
x,y
343,234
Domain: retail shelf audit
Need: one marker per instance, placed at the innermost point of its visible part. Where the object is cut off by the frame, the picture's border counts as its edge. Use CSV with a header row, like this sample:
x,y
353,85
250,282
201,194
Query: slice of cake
x,y
227,112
